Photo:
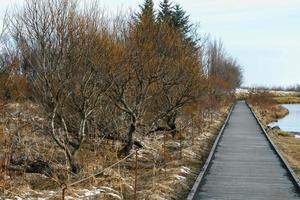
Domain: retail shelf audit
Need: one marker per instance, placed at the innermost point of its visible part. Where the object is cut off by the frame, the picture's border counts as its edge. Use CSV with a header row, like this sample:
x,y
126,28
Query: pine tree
x,y
165,13
147,12
180,20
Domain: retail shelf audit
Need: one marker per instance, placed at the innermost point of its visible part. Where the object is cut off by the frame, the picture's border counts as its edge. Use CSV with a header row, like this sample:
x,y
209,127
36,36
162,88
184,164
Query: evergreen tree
x,y
165,13
180,20
147,12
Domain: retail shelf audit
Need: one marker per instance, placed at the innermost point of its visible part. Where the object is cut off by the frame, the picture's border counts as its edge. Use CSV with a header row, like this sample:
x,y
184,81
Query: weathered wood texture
x,y
244,165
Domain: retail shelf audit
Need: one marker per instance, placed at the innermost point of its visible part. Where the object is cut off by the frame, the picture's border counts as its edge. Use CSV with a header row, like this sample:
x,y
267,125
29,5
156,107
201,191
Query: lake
x,y
291,122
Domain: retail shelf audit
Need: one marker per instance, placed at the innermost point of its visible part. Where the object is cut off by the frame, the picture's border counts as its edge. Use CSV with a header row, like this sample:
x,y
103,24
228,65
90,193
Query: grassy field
x,y
286,97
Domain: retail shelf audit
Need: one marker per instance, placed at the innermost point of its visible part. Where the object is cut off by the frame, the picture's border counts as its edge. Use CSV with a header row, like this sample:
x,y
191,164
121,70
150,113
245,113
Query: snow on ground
x,y
94,192
277,92
241,91
185,170
114,195
180,178
282,92
77,194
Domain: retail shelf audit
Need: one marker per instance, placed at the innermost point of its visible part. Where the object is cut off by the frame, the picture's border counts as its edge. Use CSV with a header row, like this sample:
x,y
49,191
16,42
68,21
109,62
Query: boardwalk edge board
x,y
209,158
291,172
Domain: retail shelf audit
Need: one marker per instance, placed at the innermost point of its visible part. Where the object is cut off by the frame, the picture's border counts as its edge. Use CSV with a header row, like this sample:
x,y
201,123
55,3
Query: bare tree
x,y
62,51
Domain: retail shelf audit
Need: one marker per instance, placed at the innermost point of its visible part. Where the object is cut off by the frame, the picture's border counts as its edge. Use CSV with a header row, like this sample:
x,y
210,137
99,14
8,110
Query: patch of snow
x,y
240,90
297,136
282,92
131,187
180,178
185,170
18,198
98,192
108,188
69,198
93,192
114,195
78,196
88,192
175,144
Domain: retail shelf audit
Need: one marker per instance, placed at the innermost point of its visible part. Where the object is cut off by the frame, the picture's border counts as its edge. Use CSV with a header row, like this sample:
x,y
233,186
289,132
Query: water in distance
x,y
291,122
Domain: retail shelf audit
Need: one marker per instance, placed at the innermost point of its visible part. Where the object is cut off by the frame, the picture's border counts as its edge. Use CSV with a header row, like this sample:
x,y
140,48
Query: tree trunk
x,y
73,161
75,167
126,149
172,124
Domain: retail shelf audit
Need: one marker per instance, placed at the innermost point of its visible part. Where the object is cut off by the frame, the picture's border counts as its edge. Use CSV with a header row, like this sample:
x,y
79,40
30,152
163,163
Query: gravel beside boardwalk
x,y
244,165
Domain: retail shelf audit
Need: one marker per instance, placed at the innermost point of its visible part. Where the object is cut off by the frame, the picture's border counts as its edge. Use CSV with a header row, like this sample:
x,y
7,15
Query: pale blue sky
x,y
264,35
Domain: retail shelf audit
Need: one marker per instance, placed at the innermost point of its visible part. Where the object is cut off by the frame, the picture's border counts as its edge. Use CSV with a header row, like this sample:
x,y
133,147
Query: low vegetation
x,y
287,99
267,107
279,96
290,147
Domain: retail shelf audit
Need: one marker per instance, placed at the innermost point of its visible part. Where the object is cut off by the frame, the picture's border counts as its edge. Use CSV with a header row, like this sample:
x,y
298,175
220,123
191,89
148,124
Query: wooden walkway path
x,y
244,165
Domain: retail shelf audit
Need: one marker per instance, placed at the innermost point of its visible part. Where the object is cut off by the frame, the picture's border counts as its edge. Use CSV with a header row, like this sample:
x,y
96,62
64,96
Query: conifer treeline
x,y
116,79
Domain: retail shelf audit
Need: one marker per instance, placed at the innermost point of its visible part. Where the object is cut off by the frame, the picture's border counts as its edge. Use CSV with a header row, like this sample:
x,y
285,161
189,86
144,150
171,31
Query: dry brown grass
x,y
185,156
183,164
287,100
271,114
286,97
290,147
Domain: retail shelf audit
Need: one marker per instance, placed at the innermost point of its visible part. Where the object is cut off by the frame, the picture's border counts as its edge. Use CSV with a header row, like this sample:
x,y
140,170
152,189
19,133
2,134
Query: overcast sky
x,y
264,35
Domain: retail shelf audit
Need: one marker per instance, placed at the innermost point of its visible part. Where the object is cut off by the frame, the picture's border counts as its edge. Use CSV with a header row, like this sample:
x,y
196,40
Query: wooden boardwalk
x,y
244,164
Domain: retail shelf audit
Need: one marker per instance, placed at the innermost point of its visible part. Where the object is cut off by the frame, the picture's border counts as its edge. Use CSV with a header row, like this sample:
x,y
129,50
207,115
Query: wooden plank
x,y
244,164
